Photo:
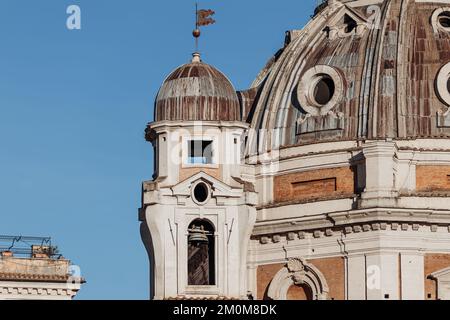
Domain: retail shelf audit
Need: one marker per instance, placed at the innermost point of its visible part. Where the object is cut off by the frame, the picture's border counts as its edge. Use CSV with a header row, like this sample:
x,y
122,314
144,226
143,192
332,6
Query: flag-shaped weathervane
x,y
202,19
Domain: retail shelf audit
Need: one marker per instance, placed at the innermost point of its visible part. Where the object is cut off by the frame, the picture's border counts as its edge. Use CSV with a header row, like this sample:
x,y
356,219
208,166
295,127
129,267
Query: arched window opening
x,y
201,255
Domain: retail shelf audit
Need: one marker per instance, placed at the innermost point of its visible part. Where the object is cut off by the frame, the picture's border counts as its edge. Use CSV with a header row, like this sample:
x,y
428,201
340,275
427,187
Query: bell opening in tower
x,y
201,254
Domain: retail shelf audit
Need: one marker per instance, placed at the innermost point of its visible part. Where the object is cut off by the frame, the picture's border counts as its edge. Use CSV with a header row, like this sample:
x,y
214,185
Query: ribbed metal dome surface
x,y
389,72
197,92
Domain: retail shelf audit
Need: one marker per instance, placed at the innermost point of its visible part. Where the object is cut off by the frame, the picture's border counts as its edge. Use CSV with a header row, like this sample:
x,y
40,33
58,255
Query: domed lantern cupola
x,y
197,124
197,92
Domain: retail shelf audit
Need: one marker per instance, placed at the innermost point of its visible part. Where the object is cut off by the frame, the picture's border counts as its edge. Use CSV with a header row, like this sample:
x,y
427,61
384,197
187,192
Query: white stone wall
x,y
170,209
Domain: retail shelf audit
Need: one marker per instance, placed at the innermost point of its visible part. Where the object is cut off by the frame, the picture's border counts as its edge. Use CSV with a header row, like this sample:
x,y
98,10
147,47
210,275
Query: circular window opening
x,y
444,19
448,85
201,192
324,90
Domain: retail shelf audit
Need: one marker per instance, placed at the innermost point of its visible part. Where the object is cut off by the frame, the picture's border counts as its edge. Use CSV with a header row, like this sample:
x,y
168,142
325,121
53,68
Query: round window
x,y
201,193
440,20
443,84
320,89
323,90
444,19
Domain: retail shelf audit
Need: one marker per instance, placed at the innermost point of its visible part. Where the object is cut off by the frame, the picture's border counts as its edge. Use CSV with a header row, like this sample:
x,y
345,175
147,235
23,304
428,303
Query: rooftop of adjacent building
x,y
32,259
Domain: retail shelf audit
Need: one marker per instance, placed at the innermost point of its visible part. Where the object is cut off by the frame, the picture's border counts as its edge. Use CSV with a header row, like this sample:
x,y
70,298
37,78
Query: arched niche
x,y
201,253
298,272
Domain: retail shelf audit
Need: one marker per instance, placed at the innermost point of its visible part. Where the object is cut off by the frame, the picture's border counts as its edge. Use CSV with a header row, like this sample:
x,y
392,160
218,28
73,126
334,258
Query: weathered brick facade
x,y
433,178
314,184
299,293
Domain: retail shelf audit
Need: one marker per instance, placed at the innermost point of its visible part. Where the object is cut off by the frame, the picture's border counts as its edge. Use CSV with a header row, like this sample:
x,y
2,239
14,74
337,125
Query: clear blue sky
x,y
74,106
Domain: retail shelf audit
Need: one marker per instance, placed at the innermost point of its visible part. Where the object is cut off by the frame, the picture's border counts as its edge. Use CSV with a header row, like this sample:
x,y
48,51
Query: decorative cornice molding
x,y
36,291
33,277
281,237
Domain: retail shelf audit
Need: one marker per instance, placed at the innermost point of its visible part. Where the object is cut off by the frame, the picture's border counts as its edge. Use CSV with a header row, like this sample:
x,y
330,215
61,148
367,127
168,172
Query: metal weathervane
x,y
202,19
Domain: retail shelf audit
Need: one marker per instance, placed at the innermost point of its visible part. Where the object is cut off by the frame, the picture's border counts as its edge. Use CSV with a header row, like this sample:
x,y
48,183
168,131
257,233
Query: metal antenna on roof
x,y
196,33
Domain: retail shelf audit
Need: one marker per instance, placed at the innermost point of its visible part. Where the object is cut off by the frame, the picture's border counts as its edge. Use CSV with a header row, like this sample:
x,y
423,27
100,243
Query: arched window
x,y
201,255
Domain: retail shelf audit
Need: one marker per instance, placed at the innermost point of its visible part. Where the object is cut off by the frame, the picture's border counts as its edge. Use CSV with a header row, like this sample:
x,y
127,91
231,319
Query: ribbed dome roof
x,y
197,92
346,76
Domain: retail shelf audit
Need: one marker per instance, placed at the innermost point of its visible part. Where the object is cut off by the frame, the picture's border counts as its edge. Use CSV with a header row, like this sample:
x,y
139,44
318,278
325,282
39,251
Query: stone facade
x,y
333,183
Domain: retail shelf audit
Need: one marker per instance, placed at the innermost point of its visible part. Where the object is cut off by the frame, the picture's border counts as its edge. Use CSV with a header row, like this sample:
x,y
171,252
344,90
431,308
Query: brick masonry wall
x,y
432,178
333,270
434,262
314,184
299,293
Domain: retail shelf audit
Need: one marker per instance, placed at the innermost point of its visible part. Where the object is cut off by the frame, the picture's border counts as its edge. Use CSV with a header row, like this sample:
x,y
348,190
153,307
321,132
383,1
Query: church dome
x,y
197,92
357,71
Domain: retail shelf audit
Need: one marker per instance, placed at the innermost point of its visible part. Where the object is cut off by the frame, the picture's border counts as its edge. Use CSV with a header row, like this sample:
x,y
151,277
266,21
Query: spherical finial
x,y
196,33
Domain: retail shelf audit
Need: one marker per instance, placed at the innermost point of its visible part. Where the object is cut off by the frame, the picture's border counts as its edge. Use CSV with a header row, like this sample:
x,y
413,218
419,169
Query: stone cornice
x,y
423,149
215,124
316,233
37,292
36,277
430,194
32,277
351,222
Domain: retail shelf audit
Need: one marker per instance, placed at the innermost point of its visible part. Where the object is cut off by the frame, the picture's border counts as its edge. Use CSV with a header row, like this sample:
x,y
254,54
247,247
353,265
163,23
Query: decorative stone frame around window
x,y
214,158
443,84
308,90
443,92
298,272
186,217
201,193
440,20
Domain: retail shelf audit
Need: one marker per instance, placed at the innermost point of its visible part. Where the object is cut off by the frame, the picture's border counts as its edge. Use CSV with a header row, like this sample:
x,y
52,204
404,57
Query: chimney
x,y
40,252
7,254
